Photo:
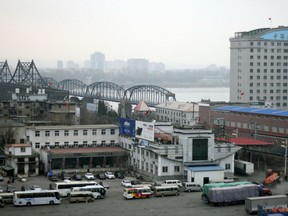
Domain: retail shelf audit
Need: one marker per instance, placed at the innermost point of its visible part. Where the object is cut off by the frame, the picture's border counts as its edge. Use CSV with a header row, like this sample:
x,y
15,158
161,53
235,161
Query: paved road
x,y
114,204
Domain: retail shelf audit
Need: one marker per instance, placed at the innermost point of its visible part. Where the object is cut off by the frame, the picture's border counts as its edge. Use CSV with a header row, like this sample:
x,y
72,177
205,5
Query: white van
x,y
174,182
189,186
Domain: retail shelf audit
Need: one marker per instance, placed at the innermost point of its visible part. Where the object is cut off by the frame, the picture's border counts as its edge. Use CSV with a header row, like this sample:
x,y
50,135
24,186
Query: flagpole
x,y
270,19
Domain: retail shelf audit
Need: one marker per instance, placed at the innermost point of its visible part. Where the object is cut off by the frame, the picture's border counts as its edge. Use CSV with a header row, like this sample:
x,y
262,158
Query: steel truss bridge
x,y
26,75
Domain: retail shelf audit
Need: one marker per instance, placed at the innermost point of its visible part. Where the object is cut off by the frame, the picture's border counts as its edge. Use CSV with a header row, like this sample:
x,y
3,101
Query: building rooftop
x,y
241,141
253,110
87,150
74,127
180,106
205,168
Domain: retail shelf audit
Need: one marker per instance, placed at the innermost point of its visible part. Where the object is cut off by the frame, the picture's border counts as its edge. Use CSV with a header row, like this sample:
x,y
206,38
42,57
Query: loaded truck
x,y
222,194
269,202
243,167
275,211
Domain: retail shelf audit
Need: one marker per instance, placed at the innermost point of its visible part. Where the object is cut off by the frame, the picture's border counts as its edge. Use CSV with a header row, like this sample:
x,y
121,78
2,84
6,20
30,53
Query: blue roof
x,y
253,110
205,168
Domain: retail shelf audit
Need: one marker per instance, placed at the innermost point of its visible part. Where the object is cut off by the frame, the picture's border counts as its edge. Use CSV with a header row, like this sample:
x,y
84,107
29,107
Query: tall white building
x,y
259,66
97,61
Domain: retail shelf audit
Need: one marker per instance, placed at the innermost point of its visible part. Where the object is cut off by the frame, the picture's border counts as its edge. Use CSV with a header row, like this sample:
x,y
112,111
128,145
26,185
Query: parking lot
x,y
115,204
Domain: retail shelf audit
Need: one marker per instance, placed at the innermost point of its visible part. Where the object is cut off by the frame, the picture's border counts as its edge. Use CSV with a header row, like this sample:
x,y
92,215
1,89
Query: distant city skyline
x,y
180,34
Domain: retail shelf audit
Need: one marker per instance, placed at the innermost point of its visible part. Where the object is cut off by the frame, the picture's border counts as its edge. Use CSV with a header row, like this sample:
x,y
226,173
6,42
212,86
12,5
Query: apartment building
x,y
259,67
178,113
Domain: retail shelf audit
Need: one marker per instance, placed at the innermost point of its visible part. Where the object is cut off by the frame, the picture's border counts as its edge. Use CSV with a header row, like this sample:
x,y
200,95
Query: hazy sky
x,y
179,33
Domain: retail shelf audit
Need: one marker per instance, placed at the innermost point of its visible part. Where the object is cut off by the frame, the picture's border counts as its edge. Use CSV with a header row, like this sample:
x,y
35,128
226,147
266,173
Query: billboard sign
x,y
144,130
127,127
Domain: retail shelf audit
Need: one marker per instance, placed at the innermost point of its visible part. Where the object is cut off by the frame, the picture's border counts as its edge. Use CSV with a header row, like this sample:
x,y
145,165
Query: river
x,y
197,94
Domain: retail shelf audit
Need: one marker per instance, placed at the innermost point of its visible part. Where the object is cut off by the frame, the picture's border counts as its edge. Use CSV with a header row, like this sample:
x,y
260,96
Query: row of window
x,y
168,112
278,64
265,70
259,43
75,144
75,132
252,126
266,50
271,57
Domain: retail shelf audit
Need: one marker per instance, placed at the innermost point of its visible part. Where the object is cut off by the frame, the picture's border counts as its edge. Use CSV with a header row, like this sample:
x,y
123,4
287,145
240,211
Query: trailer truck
x,y
269,202
222,194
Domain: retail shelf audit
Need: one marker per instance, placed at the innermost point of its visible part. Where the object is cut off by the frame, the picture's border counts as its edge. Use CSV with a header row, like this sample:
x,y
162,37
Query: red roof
x,y
245,141
167,137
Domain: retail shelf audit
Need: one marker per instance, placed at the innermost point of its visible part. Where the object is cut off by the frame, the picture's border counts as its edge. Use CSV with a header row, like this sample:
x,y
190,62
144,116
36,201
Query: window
x,y
75,144
23,149
227,166
47,133
75,132
56,133
176,169
103,143
85,143
112,142
37,133
103,131
112,131
165,169
57,144
66,144
37,145
85,133
94,132
66,132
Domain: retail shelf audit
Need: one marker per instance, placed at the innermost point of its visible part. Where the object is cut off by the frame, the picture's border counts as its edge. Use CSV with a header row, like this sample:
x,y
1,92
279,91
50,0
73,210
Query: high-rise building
x,y
259,67
137,64
97,61
60,64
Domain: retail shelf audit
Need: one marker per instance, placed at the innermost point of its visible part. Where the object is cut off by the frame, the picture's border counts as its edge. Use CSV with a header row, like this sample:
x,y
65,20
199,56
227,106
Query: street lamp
x,y
285,165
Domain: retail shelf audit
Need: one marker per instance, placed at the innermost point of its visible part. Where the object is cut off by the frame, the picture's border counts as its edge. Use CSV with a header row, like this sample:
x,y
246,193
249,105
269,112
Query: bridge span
x,y
26,75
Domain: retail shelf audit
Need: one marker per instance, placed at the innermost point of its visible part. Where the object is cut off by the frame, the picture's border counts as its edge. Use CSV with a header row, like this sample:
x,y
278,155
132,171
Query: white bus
x,y
65,187
166,190
98,191
32,197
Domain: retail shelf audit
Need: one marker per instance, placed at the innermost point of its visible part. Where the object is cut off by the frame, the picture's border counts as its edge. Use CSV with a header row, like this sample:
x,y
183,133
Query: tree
x,y
7,136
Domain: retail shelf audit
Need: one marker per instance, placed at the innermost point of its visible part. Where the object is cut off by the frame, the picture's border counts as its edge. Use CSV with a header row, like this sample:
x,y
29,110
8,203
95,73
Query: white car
x,y
36,187
89,176
126,183
109,175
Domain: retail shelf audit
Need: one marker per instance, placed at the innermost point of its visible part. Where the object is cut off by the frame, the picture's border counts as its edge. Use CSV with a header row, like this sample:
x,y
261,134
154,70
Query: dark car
x,y
77,177
65,176
119,175
104,184
10,188
101,176
53,178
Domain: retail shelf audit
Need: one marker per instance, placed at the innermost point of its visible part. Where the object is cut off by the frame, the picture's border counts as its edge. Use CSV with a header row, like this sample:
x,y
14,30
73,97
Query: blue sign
x,y
127,127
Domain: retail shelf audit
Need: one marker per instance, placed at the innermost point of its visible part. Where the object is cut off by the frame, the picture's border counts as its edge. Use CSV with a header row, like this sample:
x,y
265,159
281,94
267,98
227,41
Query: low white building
x,y
76,146
194,158
22,159
183,114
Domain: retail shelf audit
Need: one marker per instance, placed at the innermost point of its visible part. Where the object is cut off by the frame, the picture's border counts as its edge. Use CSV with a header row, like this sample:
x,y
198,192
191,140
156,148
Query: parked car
x,y
10,188
1,190
188,187
109,175
36,187
101,176
1,178
53,178
119,175
104,184
126,183
89,176
77,177
65,176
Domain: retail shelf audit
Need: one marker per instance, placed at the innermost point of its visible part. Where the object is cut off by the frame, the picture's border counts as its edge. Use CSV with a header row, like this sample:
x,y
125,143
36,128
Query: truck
x,y
269,202
243,167
275,211
222,194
